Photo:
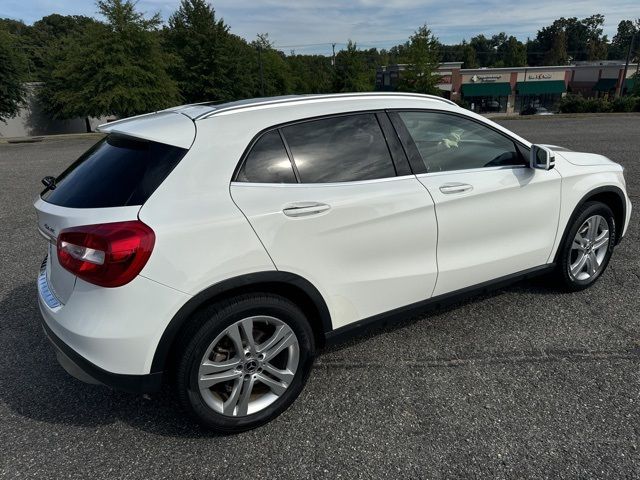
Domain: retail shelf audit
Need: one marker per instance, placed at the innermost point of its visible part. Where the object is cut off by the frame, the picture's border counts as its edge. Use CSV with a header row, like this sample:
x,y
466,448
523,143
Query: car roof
x,y
207,109
176,125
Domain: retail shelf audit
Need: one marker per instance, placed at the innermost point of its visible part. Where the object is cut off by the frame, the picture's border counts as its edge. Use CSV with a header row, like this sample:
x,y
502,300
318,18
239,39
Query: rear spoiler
x,y
170,128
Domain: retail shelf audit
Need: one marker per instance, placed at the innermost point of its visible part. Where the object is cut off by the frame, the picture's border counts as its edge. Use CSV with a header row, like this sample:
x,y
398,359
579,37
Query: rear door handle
x,y
449,188
304,209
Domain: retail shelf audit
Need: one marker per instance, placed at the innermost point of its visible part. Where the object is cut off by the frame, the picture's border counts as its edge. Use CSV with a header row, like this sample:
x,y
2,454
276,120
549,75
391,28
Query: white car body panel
x,y
506,223
373,250
383,244
116,329
577,182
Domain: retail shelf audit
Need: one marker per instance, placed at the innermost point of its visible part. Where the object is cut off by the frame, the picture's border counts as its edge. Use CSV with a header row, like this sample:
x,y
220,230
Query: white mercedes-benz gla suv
x,y
217,247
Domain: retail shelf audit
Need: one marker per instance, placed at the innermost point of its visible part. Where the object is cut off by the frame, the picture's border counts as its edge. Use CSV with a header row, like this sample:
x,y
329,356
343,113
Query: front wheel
x,y
244,361
587,249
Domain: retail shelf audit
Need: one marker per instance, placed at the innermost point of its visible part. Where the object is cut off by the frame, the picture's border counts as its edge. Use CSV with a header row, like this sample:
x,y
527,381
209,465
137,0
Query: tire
x,y
271,316
569,253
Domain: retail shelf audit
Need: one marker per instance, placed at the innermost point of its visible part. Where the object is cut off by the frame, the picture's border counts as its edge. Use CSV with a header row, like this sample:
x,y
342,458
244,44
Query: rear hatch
x,y
108,183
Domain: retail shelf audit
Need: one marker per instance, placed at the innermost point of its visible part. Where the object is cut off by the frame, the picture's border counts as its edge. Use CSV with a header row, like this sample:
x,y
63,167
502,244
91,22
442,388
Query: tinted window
x,y
116,172
449,142
340,149
267,162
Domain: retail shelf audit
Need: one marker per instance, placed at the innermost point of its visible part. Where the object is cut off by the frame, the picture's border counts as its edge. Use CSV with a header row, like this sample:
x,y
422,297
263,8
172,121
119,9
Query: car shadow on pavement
x,y
34,385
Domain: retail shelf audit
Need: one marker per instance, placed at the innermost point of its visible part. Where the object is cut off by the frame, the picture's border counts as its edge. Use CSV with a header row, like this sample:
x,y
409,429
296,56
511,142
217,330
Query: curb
x,y
44,138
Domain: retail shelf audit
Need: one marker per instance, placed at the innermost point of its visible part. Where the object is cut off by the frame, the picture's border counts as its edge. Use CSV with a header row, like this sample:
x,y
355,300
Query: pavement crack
x,y
552,355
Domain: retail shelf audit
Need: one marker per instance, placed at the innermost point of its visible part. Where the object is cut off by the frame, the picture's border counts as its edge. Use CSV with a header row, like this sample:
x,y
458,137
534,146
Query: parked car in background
x,y
218,247
535,110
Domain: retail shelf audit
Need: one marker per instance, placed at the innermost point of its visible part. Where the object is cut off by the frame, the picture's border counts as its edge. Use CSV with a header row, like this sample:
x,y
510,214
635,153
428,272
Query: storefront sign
x,y
539,76
485,78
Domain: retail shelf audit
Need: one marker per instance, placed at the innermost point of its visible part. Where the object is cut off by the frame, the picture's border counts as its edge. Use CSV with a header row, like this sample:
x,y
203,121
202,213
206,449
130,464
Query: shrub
x,y
571,103
578,104
624,104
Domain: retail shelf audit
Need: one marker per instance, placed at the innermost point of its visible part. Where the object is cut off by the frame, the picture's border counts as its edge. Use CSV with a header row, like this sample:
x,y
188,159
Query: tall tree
x,y
468,58
276,77
12,75
116,68
423,60
485,51
198,40
512,53
310,73
351,74
621,40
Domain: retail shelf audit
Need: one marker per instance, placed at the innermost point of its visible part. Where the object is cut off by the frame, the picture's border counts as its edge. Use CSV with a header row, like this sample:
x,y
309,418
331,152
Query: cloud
x,y
379,23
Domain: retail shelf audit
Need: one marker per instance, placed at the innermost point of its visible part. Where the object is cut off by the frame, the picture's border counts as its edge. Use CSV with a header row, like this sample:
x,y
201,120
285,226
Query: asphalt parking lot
x,y
522,383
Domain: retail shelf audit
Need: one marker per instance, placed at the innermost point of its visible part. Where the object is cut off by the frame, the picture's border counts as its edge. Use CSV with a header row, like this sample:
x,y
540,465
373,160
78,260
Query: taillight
x,y
109,255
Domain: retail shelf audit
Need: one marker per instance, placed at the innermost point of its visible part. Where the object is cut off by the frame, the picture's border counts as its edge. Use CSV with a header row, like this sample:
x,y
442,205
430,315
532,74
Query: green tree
x,y
199,43
468,58
556,53
423,60
310,73
484,50
512,53
45,36
351,73
570,39
621,40
276,77
12,75
113,68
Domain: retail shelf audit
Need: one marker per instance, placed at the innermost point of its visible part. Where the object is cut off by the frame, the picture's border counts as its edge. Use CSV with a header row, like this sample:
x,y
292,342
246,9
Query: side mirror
x,y
542,158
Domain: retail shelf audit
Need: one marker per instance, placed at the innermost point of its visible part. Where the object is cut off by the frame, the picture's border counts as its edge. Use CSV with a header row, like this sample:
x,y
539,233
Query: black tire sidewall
x,y
588,209
213,321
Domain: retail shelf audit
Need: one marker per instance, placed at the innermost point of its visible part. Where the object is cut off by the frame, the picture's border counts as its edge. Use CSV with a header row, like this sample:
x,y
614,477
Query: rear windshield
x,y
118,171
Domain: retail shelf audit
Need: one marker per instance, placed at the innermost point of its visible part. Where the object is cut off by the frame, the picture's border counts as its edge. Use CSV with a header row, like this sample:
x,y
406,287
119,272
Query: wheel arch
x,y
610,195
289,285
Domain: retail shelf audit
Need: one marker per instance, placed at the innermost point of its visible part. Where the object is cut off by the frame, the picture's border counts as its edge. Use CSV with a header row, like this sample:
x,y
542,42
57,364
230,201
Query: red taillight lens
x,y
109,255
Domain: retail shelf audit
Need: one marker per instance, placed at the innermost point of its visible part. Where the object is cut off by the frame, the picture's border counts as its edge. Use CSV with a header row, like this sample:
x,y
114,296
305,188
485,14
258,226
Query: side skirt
x,y
380,320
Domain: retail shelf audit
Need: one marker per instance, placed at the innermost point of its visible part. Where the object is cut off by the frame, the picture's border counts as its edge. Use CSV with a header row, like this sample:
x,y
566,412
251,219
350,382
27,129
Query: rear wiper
x,y
49,182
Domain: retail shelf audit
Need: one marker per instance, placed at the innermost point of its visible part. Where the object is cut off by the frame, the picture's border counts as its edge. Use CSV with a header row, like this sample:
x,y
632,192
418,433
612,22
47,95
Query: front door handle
x,y
449,188
304,209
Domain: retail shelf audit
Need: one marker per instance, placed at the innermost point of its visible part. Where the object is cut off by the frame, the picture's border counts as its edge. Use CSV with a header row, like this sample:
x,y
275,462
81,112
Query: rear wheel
x,y
587,249
244,361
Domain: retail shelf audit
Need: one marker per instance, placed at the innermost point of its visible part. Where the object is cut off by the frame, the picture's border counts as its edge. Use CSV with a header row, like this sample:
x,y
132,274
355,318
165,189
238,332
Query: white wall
x,y
32,121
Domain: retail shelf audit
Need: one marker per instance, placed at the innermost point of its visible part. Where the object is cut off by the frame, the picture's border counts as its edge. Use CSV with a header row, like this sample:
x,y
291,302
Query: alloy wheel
x,y
248,366
589,248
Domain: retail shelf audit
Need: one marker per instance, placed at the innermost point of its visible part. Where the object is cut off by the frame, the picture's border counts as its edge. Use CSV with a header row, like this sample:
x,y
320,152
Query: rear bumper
x,y
82,369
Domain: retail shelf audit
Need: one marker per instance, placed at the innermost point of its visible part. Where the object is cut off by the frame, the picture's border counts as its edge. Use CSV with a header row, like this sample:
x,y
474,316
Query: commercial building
x,y
513,89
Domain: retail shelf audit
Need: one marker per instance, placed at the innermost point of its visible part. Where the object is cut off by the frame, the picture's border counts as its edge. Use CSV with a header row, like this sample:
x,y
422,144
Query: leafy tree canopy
x,y
113,68
12,75
423,59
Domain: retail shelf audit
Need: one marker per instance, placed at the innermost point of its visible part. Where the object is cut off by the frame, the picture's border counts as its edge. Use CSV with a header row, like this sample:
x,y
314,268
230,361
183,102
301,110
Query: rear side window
x,y
116,172
267,162
340,149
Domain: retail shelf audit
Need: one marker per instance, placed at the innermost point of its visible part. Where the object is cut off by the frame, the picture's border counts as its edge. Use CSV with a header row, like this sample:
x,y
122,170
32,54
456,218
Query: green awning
x,y
605,84
493,89
540,87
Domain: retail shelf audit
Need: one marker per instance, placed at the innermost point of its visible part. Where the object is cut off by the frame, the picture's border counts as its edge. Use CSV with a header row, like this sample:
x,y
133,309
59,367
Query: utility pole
x,y
333,56
261,70
626,66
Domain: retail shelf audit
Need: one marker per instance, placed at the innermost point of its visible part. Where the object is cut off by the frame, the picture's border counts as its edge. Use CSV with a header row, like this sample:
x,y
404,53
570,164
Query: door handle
x,y
449,188
304,209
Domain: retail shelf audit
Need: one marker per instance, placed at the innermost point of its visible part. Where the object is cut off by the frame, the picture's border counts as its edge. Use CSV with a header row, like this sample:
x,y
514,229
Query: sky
x,y
308,26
